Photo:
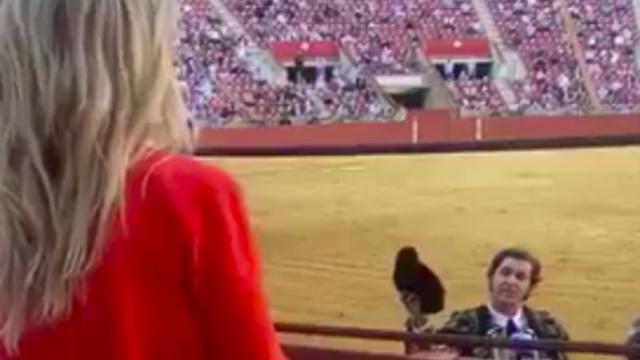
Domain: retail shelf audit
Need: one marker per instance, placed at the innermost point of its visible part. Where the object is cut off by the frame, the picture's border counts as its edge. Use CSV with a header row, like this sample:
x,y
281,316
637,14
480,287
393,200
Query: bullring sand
x,y
328,229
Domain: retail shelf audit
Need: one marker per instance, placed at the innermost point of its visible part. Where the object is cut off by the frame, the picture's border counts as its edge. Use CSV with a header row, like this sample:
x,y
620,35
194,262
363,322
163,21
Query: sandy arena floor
x,y
329,228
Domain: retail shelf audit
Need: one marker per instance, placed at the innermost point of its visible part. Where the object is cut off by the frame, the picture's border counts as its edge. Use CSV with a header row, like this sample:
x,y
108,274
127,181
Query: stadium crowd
x,y
220,87
383,37
536,30
608,32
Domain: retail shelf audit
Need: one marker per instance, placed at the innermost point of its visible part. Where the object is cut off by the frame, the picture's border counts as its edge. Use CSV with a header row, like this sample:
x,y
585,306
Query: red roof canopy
x,y
285,51
457,48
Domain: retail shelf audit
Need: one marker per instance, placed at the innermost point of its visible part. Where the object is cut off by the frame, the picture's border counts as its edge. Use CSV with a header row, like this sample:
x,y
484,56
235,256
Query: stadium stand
x,y
536,29
608,32
579,56
221,88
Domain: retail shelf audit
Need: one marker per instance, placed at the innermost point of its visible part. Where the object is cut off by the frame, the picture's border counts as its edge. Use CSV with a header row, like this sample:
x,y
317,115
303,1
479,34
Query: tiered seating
x,y
608,32
219,82
535,28
381,34
478,96
384,37
220,86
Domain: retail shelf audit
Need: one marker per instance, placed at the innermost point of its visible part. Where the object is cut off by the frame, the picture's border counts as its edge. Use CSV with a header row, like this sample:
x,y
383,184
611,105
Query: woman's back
x,y
179,279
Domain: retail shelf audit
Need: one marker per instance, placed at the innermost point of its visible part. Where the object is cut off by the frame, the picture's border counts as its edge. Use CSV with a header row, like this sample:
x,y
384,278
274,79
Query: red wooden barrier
x,y
308,135
425,127
541,127
441,127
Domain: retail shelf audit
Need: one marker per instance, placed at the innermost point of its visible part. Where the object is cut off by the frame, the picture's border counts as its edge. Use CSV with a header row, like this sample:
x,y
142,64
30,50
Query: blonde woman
x,y
113,246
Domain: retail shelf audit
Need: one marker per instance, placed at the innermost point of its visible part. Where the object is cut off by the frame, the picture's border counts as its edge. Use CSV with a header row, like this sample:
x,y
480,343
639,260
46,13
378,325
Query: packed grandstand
x,y
266,62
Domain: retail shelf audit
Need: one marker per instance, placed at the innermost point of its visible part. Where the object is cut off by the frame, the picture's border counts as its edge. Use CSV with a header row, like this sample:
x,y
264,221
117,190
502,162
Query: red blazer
x,y
179,281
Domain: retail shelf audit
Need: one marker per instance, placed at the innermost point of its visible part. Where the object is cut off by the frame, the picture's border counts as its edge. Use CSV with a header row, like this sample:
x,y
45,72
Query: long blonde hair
x,y
84,85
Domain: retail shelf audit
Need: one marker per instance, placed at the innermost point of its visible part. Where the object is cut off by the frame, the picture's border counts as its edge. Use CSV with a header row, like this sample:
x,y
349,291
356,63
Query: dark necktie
x,y
512,328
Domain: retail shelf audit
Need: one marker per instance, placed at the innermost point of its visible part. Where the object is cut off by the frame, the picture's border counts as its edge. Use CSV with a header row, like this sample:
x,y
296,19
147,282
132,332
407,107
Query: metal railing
x,y
461,341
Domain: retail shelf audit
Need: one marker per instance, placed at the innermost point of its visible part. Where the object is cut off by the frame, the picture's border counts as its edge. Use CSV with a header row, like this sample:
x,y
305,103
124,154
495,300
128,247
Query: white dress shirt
x,y
500,319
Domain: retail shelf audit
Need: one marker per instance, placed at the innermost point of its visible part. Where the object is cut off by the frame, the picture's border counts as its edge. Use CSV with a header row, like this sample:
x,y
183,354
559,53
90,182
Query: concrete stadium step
x,y
506,92
636,11
508,62
507,57
578,50
488,24
261,62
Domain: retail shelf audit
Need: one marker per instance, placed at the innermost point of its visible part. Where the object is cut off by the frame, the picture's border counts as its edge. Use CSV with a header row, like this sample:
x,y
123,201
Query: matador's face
x,y
511,283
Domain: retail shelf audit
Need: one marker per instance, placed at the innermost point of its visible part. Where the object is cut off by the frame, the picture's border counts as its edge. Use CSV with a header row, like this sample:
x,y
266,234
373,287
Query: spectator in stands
x,y
112,244
512,276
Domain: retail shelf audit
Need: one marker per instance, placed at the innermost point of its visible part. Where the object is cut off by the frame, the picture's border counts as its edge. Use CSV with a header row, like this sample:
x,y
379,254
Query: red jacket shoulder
x,y
187,172
183,188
